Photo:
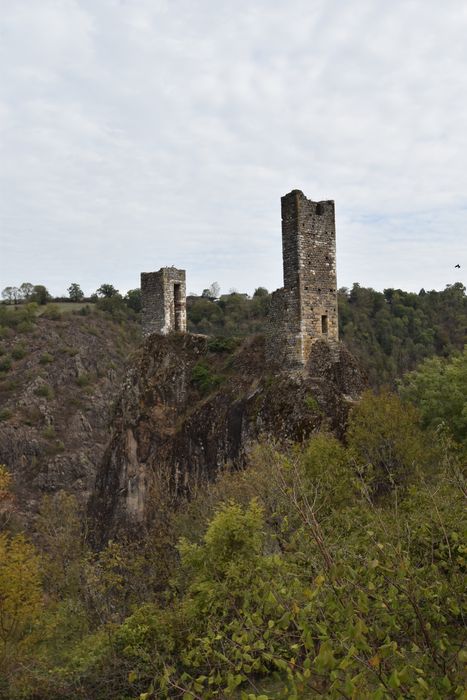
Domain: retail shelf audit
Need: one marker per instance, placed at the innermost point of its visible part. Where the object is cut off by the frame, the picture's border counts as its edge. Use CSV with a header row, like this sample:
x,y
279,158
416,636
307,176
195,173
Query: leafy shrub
x,y
25,327
83,311
387,440
312,404
221,344
439,389
83,379
20,598
52,312
45,390
5,363
18,352
204,379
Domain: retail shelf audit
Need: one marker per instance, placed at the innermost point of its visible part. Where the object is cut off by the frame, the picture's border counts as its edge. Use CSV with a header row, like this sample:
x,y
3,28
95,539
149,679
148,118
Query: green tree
x,y
20,595
133,299
438,388
387,441
26,290
107,291
75,292
11,295
40,295
213,291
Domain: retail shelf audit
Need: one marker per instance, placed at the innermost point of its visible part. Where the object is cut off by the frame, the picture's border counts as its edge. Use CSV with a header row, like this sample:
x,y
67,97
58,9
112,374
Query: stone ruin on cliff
x,y
164,301
303,311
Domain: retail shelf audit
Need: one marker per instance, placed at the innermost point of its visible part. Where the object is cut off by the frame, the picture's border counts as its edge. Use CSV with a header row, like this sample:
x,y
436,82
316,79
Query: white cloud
x,y
138,134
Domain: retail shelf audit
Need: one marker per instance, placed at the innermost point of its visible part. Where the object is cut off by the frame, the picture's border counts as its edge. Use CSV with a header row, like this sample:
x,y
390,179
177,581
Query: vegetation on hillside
x,y
323,570
329,569
389,332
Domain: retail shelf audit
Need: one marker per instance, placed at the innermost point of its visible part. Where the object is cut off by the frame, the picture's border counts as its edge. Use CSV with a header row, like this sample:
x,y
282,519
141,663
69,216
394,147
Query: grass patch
x,y
66,350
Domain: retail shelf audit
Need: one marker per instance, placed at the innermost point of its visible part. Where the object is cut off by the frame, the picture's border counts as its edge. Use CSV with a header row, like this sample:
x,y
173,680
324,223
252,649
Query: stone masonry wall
x,y
164,301
305,309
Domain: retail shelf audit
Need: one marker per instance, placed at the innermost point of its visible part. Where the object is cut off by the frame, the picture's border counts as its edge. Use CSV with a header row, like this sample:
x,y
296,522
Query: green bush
x,y
5,414
46,358
49,432
18,352
312,404
45,390
84,311
83,380
5,363
25,327
204,379
66,350
439,388
52,312
221,344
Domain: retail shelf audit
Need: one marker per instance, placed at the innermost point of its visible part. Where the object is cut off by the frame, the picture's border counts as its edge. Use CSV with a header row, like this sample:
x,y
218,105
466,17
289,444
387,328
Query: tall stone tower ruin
x,y
305,309
163,296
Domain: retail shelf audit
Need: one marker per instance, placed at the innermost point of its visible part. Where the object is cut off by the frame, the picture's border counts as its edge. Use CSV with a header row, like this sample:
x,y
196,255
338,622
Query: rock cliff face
x,y
56,396
190,406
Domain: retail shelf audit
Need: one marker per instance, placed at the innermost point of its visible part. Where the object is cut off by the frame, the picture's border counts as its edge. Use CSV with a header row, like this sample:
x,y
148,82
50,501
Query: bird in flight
x,y
456,265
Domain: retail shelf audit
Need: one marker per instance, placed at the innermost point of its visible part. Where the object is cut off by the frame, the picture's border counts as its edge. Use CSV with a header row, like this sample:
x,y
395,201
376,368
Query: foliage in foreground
x,y
328,570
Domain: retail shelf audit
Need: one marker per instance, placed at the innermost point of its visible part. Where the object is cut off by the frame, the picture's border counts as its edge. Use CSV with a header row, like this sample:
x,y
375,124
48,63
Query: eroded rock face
x,y
186,410
57,400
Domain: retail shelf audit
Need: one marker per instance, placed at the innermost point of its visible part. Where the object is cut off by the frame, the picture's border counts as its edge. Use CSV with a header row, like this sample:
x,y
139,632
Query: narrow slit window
x,y
324,324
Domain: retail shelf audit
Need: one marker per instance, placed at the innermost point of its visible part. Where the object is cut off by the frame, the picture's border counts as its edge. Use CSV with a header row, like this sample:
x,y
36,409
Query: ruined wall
x,y
305,309
163,296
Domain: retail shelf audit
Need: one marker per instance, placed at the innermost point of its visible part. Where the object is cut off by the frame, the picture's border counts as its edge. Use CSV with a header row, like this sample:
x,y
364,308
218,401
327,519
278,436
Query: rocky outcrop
x,y
189,407
56,399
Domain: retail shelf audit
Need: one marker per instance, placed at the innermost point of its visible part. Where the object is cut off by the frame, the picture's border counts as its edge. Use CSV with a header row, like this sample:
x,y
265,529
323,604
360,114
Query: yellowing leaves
x,y
20,593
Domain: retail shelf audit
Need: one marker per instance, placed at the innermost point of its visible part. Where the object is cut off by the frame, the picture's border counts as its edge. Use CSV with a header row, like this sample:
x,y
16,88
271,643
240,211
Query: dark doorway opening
x,y
178,307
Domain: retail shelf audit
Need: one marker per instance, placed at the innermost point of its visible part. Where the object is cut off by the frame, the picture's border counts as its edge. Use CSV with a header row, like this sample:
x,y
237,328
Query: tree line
x,y
389,332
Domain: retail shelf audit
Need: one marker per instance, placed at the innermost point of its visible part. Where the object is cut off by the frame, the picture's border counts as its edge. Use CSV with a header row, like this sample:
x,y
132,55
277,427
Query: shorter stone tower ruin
x,y
163,297
305,309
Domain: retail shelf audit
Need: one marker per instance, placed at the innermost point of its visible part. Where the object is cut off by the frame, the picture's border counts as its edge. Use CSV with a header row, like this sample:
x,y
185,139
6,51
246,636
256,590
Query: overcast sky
x,y
142,133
